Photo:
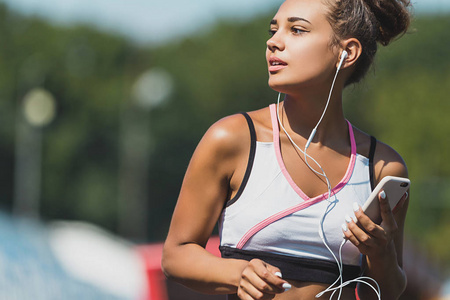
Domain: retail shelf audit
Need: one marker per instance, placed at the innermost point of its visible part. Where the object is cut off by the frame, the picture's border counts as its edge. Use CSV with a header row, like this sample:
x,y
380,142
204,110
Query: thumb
x,y
286,286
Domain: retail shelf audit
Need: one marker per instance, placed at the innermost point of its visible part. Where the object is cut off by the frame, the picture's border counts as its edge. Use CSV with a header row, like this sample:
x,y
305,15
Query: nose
x,y
275,43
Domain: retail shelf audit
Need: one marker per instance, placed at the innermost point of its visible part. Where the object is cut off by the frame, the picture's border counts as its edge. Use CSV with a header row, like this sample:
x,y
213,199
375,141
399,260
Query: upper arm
x,y
389,163
206,185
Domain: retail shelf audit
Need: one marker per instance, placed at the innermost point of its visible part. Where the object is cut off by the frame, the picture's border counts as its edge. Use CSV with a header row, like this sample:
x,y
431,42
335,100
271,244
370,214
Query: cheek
x,y
314,57
314,61
311,62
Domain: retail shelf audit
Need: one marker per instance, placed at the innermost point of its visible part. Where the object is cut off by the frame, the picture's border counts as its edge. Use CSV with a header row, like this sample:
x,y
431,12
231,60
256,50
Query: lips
x,y
276,64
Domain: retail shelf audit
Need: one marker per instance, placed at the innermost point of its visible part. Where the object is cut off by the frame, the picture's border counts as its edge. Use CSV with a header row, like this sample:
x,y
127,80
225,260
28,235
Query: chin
x,y
276,84
282,87
291,86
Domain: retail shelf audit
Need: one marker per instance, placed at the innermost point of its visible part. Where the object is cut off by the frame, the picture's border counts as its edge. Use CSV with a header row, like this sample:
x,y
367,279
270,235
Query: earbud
x,y
344,55
313,132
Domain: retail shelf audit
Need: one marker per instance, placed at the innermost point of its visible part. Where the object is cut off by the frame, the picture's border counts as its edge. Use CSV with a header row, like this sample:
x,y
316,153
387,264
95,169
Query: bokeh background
x,y
103,102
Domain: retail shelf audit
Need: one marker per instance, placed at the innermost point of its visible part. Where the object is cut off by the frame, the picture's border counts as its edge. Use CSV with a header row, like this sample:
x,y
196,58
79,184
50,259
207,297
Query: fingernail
x,y
344,227
348,219
355,206
287,286
383,195
278,274
407,195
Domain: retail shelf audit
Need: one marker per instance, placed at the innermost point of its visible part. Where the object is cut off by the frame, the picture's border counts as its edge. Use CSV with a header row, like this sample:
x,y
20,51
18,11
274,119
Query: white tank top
x,y
272,216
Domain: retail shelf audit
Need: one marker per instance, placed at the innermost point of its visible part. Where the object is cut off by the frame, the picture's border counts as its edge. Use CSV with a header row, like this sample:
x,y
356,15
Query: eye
x,y
272,32
296,30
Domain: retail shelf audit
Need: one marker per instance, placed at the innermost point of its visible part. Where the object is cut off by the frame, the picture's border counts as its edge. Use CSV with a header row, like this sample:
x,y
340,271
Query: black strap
x,y
296,268
251,158
373,145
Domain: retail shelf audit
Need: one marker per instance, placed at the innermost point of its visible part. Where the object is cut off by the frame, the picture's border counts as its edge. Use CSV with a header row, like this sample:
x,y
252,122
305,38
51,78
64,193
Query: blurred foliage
x,y
403,102
406,106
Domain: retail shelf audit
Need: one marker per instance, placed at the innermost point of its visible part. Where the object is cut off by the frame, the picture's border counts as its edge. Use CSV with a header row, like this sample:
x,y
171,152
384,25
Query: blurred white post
x,y
38,110
150,90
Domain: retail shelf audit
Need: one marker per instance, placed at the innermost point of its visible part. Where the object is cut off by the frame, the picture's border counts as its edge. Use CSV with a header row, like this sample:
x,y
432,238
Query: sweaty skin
x,y
301,64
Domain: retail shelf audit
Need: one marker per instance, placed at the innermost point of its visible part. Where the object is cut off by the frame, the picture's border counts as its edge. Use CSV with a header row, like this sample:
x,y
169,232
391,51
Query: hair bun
x,y
393,17
370,22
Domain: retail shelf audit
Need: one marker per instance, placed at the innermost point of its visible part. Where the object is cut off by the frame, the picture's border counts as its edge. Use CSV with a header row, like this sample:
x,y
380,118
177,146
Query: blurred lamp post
x,y
37,111
151,89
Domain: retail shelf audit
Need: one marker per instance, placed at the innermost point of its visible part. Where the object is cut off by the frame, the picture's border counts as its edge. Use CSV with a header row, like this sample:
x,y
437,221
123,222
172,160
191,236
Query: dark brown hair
x,y
369,21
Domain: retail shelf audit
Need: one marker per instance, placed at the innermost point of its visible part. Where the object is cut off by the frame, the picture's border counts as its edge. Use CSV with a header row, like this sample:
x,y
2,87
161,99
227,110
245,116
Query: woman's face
x,y
299,53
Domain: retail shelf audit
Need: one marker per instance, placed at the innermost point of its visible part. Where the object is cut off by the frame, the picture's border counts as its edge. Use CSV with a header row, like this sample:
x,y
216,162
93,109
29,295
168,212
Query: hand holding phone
x,y
394,187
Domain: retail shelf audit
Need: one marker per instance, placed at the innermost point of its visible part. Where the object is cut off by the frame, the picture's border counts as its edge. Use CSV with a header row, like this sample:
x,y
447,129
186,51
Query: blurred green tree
x,y
403,102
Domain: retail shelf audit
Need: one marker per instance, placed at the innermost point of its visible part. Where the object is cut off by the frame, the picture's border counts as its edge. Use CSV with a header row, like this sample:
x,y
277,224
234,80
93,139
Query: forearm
x,y
389,275
194,267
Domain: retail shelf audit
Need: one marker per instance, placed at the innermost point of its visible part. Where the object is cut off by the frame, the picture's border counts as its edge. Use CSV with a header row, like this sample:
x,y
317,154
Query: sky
x,y
159,21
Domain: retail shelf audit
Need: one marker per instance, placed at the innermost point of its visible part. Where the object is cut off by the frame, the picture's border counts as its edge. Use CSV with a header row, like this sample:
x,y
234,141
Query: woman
x,y
278,210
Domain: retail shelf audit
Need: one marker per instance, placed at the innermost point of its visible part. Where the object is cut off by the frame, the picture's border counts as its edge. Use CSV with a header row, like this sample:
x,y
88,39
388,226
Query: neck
x,y
302,112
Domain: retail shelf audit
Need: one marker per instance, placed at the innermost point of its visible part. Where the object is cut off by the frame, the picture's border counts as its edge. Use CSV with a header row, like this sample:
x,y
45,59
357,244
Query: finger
x,y
363,222
364,230
350,235
400,203
276,278
264,279
243,294
361,219
273,279
252,286
286,286
386,213
248,291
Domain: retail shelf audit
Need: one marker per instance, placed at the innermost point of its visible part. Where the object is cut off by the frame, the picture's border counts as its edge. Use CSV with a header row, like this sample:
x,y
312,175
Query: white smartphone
x,y
394,187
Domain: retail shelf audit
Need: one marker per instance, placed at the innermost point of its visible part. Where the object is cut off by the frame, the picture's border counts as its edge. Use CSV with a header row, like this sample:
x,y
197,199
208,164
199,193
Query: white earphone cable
x,y
321,230
339,262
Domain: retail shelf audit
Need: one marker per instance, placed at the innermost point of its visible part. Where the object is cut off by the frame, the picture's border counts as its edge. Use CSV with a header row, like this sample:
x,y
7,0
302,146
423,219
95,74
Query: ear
x,y
353,48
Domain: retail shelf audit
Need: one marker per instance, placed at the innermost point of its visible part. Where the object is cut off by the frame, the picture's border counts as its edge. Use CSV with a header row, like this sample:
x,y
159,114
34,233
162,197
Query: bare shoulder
x,y
222,147
263,124
227,134
232,131
226,145
387,161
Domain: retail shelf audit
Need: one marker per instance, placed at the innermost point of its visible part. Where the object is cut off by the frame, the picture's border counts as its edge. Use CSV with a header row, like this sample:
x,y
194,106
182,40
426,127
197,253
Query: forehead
x,y
311,10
